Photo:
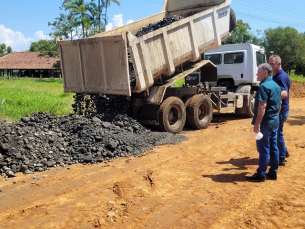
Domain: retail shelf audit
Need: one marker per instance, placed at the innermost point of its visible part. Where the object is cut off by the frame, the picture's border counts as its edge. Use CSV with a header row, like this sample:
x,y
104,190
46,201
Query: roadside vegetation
x,y
27,95
297,78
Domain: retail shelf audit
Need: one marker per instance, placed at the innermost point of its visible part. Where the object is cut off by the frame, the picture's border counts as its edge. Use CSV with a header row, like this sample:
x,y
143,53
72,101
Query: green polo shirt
x,y
268,92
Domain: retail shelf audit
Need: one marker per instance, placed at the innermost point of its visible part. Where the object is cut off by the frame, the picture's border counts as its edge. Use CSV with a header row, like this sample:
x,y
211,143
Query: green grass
x,y
180,83
24,96
297,78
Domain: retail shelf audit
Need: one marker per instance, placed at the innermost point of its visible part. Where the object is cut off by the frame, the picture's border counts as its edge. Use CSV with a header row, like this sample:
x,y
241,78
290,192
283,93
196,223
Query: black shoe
x,y
271,176
287,154
256,178
282,163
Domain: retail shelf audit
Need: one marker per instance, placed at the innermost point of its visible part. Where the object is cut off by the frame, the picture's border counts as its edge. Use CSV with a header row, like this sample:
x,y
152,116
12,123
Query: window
x,y
214,58
260,58
234,58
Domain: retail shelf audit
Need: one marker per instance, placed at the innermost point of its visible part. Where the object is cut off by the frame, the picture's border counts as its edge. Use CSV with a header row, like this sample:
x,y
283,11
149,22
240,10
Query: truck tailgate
x,y
96,65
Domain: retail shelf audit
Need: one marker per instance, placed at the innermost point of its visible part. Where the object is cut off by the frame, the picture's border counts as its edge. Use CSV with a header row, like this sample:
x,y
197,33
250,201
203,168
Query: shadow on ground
x,y
224,117
240,164
296,120
228,178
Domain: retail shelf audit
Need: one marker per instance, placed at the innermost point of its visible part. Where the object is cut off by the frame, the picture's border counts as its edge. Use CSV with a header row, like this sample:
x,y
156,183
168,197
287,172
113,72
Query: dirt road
x,y
198,183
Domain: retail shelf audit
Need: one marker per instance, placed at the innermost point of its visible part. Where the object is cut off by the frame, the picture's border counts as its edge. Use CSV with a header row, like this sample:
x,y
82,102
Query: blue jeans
x,y
265,147
280,135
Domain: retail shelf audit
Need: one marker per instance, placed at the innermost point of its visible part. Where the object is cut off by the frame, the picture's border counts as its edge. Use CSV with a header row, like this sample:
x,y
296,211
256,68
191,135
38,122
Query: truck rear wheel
x,y
172,115
199,112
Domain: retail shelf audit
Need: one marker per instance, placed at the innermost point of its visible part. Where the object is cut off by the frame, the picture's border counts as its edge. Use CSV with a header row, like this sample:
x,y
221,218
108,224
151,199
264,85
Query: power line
x,y
269,20
272,5
155,2
282,12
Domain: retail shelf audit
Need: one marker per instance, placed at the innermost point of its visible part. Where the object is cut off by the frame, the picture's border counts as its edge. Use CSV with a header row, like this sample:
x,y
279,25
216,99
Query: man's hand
x,y
256,128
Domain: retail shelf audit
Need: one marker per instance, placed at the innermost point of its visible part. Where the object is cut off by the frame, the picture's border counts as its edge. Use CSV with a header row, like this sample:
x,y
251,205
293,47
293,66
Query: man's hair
x,y
266,67
276,58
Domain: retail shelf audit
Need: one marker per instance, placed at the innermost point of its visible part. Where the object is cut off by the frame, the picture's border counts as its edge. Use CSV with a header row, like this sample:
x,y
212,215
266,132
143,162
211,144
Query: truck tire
x,y
199,112
186,99
172,115
250,108
232,20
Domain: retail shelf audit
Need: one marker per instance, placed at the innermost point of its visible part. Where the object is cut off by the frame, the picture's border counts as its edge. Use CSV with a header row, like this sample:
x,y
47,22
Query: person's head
x,y
263,71
276,63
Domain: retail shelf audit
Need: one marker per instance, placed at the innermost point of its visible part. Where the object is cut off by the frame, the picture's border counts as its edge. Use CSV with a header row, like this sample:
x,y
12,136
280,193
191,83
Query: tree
x,y
257,39
242,34
288,44
106,3
100,10
79,10
9,50
83,15
43,46
5,50
64,26
95,13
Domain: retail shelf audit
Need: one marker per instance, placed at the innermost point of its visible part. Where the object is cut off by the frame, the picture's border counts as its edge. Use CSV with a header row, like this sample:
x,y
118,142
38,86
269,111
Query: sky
x,y
25,21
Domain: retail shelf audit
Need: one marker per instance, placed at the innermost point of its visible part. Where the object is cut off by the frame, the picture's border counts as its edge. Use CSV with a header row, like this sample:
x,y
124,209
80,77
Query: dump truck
x,y
99,64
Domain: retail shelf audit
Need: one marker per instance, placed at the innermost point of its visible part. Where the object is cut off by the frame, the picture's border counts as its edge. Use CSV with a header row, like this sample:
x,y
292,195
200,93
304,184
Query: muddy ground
x,y
198,183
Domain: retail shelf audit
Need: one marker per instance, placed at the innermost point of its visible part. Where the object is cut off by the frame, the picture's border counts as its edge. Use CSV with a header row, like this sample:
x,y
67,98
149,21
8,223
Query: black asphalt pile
x,y
43,140
147,29
154,26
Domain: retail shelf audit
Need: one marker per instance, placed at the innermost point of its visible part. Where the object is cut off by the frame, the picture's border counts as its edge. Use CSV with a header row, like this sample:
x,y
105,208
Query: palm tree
x,y
79,9
95,17
100,9
106,3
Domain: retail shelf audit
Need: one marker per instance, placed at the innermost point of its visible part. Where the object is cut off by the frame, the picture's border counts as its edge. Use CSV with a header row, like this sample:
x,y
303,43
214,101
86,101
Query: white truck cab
x,y
237,63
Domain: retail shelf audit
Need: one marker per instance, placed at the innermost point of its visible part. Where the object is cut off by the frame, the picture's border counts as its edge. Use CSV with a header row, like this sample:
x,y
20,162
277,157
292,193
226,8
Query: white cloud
x,y
117,21
109,26
17,40
129,21
40,36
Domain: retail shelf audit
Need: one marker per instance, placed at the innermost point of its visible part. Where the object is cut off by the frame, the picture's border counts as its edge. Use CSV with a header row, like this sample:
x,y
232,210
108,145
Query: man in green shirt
x,y
266,120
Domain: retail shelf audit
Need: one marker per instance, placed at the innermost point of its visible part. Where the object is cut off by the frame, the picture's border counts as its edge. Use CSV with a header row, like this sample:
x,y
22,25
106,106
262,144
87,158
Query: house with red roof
x,y
31,64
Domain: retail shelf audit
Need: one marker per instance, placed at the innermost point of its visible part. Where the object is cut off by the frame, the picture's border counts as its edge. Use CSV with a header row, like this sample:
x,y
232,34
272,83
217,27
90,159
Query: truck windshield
x,y
214,58
260,58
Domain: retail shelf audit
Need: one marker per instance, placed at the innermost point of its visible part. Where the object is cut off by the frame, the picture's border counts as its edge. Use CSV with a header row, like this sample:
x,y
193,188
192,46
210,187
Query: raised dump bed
x,y
99,64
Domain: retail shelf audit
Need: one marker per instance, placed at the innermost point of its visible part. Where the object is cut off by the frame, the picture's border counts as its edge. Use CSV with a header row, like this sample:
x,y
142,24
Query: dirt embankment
x,y
198,183
297,89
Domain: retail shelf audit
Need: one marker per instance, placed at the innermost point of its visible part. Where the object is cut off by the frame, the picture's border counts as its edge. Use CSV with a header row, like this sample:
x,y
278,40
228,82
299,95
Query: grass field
x,y
297,78
26,95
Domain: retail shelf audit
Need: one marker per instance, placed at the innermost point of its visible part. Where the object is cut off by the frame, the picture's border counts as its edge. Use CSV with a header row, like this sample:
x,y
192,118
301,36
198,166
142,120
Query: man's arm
x,y
284,94
280,107
260,114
